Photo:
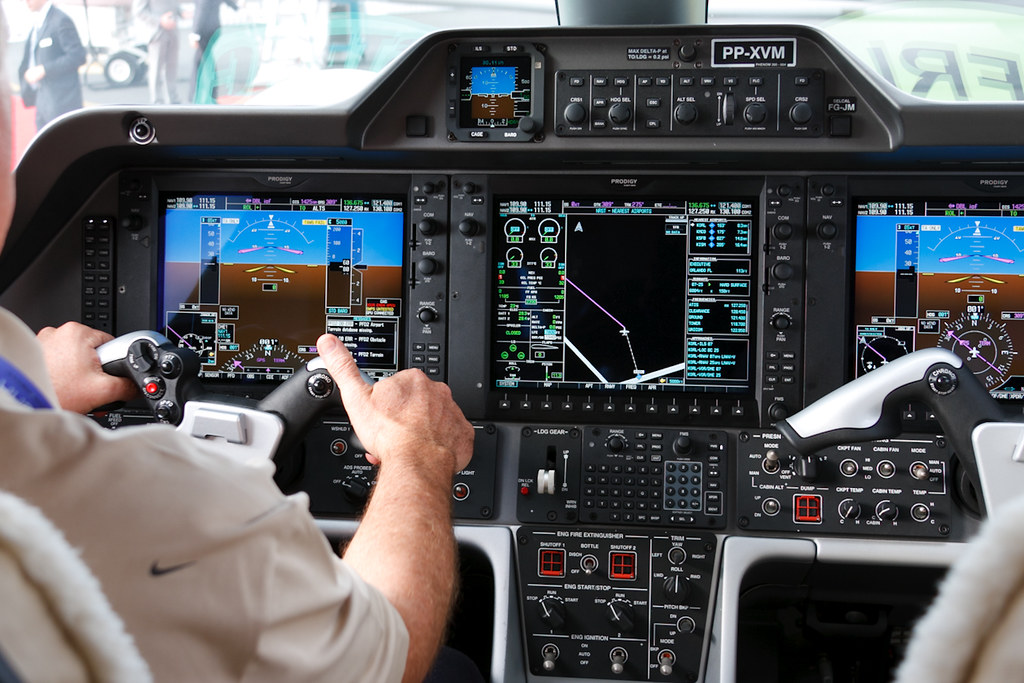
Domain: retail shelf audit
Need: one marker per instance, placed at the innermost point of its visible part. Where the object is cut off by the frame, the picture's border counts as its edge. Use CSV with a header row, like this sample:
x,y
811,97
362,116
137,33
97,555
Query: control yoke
x,y
249,431
988,441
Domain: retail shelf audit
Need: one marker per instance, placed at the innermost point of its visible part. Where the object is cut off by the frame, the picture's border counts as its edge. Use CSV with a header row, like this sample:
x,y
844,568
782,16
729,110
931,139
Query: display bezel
x,y
959,196
313,193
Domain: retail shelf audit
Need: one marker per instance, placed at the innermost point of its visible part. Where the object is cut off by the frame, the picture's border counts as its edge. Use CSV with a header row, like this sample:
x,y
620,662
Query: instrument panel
x,y
629,253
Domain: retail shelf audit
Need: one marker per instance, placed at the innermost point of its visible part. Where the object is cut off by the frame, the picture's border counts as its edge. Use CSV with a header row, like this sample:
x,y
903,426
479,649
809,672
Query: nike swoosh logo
x,y
156,570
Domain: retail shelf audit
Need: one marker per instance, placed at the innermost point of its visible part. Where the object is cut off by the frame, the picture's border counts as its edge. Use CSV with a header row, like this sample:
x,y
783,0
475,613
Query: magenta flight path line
x,y
595,303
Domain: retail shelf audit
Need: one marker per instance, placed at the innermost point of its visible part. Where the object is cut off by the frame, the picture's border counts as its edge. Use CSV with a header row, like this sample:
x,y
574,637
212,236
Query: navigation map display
x,y
250,281
638,295
942,273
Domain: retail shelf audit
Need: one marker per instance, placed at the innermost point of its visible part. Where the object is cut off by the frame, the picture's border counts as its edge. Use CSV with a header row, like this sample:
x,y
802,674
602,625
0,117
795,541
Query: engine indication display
x,y
249,282
942,273
641,295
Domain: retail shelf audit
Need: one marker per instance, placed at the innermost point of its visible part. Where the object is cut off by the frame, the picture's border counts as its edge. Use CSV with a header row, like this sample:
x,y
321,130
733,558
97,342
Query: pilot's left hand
x,y
70,355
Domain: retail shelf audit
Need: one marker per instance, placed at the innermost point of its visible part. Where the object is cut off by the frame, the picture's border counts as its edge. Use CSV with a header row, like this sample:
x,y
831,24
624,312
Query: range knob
x,y
621,616
616,443
427,315
552,612
781,321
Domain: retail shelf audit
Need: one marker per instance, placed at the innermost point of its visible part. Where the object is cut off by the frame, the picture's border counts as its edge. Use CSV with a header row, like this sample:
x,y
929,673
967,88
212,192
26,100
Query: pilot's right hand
x,y
406,417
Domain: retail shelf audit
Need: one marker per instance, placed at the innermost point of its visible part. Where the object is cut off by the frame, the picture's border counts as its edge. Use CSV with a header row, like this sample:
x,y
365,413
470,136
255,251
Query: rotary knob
x,y
886,510
552,612
849,509
621,616
677,586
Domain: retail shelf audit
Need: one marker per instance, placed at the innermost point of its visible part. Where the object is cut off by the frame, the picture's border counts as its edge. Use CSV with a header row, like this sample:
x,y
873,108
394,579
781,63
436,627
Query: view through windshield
x,y
318,52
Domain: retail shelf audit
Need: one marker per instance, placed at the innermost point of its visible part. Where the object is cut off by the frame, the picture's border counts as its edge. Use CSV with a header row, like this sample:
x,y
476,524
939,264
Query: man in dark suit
x,y
49,69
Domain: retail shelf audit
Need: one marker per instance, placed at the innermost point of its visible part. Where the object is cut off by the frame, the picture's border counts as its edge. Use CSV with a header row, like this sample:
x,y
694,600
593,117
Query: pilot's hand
x,y
403,417
74,367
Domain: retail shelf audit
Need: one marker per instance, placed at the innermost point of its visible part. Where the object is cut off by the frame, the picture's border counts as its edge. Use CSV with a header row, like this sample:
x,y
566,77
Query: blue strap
x,y
14,382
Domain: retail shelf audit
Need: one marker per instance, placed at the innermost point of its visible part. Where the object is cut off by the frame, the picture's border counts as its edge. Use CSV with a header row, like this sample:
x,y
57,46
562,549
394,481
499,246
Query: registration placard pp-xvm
x,y
751,52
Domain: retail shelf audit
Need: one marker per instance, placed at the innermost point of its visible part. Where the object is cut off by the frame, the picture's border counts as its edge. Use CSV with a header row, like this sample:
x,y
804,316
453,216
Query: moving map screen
x,y
941,273
250,281
651,295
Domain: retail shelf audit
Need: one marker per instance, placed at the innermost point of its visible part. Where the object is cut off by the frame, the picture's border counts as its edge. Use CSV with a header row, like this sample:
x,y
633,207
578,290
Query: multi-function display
x,y
644,295
249,281
936,272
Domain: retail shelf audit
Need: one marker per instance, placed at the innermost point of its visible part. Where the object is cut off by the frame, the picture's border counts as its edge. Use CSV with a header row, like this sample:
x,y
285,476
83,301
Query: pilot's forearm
x,y
405,547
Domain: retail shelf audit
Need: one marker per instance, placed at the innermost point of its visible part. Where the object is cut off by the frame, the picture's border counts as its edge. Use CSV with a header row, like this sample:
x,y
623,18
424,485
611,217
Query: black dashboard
x,y
629,252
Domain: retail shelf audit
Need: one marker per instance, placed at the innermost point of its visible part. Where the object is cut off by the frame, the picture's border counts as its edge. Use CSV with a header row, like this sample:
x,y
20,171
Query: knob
x,y
355,489
427,226
781,321
778,411
133,222
620,113
615,443
782,231
552,612
428,187
755,113
469,187
886,510
469,226
427,266
687,52
849,509
677,586
683,445
686,113
807,466
621,616
427,315
782,271
827,230
575,113
676,555
919,471
528,124
800,113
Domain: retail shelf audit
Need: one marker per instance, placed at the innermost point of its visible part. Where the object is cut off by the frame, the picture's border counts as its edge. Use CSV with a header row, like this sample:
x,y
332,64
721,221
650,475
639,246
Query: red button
x,y
152,388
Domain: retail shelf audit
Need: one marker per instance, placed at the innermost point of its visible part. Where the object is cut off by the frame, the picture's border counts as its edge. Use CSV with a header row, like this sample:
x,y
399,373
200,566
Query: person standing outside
x,y
159,20
49,68
204,25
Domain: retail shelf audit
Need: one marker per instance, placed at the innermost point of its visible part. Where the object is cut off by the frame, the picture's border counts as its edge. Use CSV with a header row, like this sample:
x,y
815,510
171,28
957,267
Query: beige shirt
x,y
216,574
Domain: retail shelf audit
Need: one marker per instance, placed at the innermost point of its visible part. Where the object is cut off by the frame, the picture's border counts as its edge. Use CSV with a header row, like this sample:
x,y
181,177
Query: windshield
x,y
318,52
